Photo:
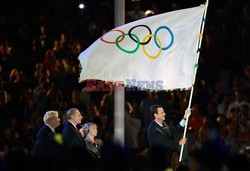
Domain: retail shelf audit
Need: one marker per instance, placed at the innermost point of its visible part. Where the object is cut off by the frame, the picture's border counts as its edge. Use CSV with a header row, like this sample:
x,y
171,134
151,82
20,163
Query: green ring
x,y
128,51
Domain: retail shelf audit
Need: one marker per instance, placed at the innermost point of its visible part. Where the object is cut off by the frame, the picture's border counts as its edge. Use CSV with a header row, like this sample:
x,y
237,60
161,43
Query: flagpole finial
x,y
206,2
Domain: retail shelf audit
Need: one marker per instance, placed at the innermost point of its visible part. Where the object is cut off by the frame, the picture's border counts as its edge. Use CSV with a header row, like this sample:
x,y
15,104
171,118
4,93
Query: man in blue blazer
x,y
160,134
45,145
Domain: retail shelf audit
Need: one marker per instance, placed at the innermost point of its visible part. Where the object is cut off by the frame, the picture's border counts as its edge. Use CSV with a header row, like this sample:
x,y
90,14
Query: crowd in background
x,y
39,45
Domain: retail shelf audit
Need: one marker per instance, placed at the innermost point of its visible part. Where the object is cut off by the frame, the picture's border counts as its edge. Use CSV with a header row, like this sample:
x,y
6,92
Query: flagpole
x,y
119,91
195,71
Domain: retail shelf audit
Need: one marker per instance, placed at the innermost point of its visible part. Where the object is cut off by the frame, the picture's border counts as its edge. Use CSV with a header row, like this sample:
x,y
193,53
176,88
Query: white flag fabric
x,y
157,52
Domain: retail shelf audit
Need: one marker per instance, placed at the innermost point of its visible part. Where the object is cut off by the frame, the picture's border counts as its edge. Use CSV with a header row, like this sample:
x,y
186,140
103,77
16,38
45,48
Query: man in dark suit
x,y
45,145
71,135
160,134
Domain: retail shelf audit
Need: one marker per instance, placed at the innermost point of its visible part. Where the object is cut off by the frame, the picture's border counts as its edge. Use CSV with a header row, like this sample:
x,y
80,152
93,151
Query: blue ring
x,y
171,34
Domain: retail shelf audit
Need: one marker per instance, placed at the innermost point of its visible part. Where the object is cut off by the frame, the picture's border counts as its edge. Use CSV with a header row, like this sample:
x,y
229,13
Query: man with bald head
x,y
71,135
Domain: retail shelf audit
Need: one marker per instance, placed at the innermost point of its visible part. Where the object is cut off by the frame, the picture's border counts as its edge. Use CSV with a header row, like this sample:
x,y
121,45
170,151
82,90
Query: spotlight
x,y
81,6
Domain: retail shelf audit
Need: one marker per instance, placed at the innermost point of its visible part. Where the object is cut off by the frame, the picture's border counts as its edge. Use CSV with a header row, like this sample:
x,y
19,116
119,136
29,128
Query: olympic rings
x,y
127,51
144,50
144,42
114,42
171,34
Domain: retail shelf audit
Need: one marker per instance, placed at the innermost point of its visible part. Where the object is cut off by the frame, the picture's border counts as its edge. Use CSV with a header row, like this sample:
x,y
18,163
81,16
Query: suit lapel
x,y
166,129
162,131
76,131
50,133
91,146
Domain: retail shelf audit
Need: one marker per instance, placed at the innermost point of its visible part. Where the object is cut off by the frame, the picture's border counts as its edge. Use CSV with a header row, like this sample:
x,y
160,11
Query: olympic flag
x,y
157,50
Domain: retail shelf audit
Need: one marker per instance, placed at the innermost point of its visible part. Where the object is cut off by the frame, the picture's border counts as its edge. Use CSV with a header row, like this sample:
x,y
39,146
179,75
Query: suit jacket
x,y
45,145
72,137
159,136
94,149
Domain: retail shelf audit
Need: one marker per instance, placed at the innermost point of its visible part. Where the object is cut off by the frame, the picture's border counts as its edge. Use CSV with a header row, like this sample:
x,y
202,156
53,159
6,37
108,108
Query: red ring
x,y
115,41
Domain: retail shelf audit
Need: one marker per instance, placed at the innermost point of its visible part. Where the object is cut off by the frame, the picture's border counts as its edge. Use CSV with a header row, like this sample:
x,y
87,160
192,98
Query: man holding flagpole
x,y
160,134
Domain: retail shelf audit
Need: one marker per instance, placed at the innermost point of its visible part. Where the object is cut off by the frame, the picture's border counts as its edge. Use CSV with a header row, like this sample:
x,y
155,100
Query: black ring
x,y
141,43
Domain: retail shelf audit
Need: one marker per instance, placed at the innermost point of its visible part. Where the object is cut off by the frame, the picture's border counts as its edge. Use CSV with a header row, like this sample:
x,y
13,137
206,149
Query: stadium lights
x,y
81,5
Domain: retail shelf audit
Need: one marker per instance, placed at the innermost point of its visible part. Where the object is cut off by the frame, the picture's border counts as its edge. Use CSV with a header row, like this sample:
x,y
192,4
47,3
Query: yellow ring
x,y
144,50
